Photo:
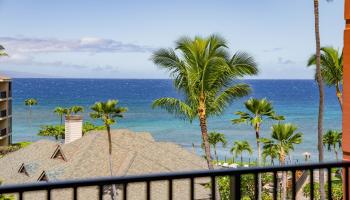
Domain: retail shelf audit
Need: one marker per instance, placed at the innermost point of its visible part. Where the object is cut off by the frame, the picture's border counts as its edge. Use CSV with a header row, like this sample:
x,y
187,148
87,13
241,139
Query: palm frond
x,y
228,95
176,107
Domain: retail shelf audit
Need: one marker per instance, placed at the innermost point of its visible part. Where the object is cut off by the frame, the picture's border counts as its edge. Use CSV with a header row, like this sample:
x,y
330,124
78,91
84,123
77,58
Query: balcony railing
x,y
3,113
3,95
212,177
3,132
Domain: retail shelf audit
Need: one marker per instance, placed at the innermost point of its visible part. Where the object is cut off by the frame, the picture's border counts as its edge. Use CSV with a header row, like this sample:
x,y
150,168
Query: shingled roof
x,y
133,154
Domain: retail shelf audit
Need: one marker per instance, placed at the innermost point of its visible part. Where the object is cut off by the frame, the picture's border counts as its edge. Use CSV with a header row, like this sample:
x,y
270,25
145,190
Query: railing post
x,y
235,187
346,91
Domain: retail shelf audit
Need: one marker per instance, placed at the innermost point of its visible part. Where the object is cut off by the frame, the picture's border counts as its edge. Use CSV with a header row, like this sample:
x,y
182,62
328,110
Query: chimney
x,y
73,125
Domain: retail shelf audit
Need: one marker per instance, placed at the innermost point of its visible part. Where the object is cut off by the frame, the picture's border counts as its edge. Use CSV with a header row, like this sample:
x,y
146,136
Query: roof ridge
x,y
78,160
124,168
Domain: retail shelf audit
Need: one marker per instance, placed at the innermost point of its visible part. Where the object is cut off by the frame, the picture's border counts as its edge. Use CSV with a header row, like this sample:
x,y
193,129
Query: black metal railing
x,y
3,95
3,132
211,175
3,113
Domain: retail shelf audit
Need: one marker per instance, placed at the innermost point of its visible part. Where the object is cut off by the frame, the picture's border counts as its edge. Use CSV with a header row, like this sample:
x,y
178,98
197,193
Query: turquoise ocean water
x,y
296,99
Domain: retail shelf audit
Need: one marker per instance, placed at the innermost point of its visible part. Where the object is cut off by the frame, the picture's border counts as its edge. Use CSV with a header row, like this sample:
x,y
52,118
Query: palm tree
x,y
204,73
258,111
61,112
108,112
333,139
74,110
2,51
271,152
30,103
319,81
331,69
215,138
284,137
56,131
239,147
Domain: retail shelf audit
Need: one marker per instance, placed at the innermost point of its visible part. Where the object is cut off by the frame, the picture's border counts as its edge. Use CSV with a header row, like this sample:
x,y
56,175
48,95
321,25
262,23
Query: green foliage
x,y
7,197
331,65
30,102
22,144
107,111
283,139
203,71
74,110
259,109
57,131
2,51
13,147
88,126
332,139
239,147
214,138
337,190
60,111
247,186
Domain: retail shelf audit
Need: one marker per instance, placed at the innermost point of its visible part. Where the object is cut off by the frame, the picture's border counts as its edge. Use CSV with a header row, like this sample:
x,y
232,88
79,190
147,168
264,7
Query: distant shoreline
x,y
155,79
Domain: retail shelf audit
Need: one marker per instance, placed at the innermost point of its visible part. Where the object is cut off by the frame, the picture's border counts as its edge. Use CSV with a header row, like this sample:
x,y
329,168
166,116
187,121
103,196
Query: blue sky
x,y
114,39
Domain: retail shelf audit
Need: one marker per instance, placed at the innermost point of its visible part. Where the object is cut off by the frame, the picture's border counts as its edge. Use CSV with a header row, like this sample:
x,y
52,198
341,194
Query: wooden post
x,y
346,87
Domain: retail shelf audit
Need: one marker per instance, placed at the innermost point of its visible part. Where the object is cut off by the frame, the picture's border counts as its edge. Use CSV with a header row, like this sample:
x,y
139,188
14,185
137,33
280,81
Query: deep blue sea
x,y
297,100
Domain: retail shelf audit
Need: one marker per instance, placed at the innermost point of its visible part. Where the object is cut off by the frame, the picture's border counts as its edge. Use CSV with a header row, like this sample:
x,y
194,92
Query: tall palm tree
x,y
214,138
239,147
2,51
204,73
319,81
284,137
258,110
30,103
331,69
60,111
108,112
333,139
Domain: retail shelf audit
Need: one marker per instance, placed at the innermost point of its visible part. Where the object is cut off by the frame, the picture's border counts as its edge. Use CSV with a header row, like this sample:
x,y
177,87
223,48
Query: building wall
x,y
6,104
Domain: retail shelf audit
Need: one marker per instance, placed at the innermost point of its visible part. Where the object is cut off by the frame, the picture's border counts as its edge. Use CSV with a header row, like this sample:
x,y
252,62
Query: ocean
x,y
297,100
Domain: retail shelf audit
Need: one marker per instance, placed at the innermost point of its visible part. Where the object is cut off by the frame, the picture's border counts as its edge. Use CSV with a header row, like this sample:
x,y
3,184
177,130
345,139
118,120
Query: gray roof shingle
x,y
132,154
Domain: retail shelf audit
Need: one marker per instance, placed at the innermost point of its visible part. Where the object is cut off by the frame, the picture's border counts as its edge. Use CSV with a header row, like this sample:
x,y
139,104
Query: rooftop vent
x,y
58,154
43,177
22,170
73,128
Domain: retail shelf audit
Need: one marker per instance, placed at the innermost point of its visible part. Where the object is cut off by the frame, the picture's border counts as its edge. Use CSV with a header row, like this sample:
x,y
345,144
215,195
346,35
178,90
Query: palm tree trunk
x,y
114,190
339,96
242,159
216,154
257,135
284,179
61,120
321,98
336,154
204,130
30,116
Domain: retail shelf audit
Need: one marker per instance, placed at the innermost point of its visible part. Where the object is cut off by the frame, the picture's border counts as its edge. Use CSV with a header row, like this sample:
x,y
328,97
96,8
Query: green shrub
x,y
337,190
247,187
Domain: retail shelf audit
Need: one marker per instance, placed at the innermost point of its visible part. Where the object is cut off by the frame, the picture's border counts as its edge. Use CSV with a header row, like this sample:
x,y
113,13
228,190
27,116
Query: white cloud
x,y
84,44
284,61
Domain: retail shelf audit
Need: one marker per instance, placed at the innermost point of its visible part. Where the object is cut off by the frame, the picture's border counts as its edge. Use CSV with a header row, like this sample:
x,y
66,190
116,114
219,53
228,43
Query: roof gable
x,y
58,154
22,170
43,177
